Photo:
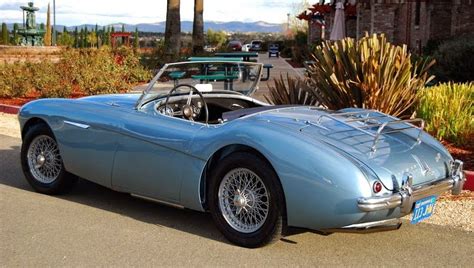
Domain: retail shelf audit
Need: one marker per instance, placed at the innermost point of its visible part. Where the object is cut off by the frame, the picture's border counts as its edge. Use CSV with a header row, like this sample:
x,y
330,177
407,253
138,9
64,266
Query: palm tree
x,y
198,26
173,30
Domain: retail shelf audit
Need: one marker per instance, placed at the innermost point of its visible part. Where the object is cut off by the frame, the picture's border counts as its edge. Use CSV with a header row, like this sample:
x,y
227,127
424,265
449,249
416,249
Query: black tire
x,y
273,226
64,180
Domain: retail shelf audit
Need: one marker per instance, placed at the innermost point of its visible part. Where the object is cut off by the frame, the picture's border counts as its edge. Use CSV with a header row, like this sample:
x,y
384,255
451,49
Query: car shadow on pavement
x,y
94,195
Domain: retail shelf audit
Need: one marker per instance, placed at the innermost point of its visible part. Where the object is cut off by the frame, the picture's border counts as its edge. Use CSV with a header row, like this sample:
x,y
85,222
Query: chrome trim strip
x,y
158,201
84,126
369,227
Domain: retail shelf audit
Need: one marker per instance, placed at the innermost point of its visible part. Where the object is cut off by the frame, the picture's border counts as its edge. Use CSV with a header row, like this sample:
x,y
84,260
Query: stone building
x,y
411,22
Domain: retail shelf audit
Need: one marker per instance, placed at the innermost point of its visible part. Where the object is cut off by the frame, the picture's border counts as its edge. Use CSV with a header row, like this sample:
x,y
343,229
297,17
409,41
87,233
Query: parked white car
x,y
246,47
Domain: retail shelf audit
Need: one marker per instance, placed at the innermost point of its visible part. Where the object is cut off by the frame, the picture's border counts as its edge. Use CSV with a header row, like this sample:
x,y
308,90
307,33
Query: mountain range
x,y
187,26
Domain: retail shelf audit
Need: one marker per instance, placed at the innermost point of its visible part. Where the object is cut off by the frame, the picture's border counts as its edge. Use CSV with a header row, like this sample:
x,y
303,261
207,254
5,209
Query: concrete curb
x,y
9,109
469,184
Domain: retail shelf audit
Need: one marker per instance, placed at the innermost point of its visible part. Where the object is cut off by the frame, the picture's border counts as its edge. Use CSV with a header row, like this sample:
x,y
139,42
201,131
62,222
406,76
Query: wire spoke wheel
x,y
243,200
44,160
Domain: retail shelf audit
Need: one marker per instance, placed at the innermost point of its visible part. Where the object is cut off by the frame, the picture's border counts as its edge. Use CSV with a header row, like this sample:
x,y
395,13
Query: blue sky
x,y
74,12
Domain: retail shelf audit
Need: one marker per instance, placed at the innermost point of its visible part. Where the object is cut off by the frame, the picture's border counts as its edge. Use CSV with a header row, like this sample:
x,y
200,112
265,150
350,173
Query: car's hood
x,y
396,153
119,100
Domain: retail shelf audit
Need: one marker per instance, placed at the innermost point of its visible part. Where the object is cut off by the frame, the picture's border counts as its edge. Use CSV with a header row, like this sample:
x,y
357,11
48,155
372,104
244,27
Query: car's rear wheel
x,y
42,163
246,200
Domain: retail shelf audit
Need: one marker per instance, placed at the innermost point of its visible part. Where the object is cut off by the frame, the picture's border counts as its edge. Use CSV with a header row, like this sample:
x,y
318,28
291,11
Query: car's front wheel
x,y
246,200
42,163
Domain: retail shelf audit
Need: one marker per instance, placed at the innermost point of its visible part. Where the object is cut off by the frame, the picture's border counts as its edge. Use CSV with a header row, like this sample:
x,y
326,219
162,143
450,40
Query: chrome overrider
x,y
409,194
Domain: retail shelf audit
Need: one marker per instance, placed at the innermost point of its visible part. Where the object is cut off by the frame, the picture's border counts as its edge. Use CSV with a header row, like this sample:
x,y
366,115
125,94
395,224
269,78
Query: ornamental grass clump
x,y
290,91
370,73
448,111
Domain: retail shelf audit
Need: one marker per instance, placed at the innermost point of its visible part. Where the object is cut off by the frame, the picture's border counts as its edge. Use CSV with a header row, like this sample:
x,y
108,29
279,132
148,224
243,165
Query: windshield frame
x,y
147,93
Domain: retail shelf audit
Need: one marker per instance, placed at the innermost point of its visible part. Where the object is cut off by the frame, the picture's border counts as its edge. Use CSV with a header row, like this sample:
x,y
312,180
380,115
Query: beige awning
x,y
338,31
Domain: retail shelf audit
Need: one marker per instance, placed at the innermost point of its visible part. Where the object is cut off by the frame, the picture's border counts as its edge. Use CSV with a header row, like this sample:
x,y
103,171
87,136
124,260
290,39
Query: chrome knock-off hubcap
x,y
243,200
44,160
40,161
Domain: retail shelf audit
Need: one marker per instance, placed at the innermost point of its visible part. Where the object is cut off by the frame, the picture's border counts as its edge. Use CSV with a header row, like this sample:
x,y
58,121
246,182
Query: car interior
x,y
206,92
221,107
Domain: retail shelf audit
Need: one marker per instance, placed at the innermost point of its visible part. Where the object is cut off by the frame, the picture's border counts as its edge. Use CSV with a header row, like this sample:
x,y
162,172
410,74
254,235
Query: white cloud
x,y
73,12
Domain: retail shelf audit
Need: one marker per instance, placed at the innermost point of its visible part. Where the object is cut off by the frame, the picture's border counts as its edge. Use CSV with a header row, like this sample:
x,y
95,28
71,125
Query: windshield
x,y
206,76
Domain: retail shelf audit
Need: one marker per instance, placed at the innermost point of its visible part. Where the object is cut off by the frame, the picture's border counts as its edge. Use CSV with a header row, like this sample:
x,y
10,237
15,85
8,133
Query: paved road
x,y
96,226
281,68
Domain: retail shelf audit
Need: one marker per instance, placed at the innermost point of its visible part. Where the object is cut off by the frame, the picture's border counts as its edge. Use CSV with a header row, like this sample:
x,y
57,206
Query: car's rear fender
x,y
321,186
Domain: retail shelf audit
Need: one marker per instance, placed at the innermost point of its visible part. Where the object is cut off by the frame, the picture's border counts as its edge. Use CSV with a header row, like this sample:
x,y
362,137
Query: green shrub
x,y
98,73
369,73
92,71
291,91
132,70
448,111
50,80
454,60
300,50
15,80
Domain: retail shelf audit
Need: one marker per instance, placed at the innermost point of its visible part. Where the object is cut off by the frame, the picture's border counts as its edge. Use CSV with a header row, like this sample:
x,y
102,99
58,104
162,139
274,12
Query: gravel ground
x,y
455,211
9,125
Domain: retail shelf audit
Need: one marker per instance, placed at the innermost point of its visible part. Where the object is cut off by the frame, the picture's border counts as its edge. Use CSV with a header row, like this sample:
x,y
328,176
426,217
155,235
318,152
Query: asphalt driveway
x,y
96,226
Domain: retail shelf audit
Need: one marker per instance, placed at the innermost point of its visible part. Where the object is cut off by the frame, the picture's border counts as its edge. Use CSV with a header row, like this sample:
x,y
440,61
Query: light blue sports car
x,y
196,139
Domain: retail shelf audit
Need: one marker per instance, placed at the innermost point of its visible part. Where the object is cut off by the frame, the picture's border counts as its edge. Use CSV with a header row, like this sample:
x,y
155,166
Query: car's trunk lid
x,y
396,152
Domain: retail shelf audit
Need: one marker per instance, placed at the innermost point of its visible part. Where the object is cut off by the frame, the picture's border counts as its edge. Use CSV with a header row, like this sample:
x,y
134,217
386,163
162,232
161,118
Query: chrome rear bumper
x,y
409,194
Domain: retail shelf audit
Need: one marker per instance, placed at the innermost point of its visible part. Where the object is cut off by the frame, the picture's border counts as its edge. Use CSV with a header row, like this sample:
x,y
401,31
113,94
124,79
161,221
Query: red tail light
x,y
377,187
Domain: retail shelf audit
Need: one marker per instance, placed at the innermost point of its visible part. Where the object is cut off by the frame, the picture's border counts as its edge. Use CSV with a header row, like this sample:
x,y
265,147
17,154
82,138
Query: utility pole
x,y
54,23
288,21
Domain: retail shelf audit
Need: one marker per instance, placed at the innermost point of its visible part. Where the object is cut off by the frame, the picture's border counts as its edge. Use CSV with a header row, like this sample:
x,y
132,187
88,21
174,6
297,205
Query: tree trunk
x,y
173,30
198,27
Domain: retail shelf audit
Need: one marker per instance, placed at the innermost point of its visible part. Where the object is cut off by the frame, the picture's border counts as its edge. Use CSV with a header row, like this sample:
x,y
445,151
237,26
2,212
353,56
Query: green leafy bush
x,y
15,80
290,91
132,71
454,60
50,80
92,71
368,73
300,50
96,71
448,111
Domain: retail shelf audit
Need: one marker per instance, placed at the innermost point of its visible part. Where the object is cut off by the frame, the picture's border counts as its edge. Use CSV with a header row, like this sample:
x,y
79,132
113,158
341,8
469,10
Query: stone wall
x,y
12,54
439,19
441,12
463,18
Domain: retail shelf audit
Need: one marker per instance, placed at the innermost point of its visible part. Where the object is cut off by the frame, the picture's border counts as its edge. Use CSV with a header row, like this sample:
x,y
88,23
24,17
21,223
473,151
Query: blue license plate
x,y
424,208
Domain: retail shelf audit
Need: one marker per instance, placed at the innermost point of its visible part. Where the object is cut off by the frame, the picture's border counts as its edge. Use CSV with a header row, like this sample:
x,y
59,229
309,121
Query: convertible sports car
x,y
196,139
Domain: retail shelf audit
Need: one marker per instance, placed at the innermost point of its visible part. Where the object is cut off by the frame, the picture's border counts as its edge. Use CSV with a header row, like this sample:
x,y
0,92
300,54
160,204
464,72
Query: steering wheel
x,y
187,110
